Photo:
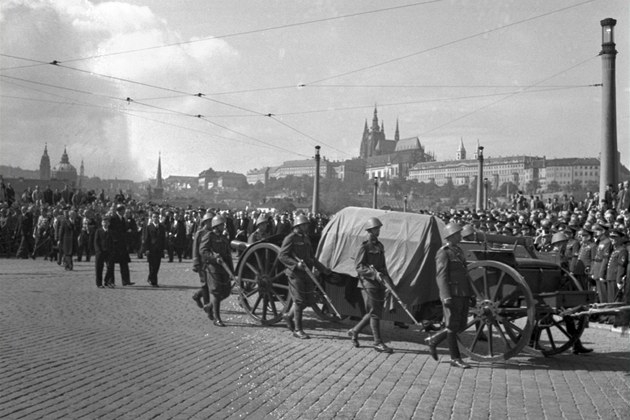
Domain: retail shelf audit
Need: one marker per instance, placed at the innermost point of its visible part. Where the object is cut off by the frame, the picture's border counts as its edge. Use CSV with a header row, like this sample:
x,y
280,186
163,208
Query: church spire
x,y
159,172
397,133
375,120
461,151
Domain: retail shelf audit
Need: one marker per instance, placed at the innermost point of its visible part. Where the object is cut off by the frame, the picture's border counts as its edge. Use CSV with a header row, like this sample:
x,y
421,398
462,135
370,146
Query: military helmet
x,y
467,230
206,217
373,222
217,220
300,220
452,228
558,237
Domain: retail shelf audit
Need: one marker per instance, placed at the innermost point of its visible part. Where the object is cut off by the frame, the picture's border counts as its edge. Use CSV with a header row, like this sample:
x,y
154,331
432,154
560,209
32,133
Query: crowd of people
x,y
590,237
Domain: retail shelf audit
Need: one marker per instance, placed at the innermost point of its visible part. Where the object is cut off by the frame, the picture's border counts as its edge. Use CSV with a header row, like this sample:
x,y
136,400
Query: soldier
x,y
572,249
456,294
370,264
215,250
297,254
616,264
261,230
600,260
202,296
585,257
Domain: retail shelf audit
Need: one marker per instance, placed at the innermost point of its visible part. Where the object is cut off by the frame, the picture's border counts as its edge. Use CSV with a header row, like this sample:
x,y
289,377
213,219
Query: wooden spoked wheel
x,y
264,290
554,333
501,322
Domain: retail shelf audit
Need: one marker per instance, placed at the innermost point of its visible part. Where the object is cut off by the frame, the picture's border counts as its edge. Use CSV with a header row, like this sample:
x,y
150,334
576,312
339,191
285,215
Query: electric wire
x,y
393,60
255,31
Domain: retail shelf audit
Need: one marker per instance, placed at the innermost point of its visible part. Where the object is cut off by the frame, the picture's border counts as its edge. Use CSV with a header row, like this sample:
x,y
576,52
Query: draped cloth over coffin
x,y
411,242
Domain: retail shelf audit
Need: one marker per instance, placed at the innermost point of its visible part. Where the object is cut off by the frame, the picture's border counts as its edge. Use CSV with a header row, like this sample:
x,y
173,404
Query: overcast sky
x,y
515,75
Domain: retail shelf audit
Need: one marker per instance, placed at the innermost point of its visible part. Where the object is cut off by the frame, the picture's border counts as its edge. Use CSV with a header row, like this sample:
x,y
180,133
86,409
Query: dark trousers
x,y
99,264
124,272
154,260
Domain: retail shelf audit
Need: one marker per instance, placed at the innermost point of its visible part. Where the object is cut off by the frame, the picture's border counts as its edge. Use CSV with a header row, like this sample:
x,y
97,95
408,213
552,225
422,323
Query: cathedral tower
x,y
44,165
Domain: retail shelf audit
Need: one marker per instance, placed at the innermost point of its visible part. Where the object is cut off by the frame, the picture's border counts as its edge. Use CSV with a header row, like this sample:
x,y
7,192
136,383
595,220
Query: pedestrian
x,y
372,270
103,246
202,296
456,293
603,248
215,251
120,253
154,242
297,254
25,233
66,240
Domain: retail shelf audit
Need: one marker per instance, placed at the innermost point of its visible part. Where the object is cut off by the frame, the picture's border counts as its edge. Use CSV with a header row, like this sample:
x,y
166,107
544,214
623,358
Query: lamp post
x,y
405,204
316,183
479,204
374,203
486,185
608,171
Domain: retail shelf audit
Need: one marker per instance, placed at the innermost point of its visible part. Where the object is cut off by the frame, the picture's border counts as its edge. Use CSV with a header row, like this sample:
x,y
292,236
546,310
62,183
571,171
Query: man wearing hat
x,y
370,263
154,242
297,254
603,249
585,258
202,296
616,265
120,255
456,293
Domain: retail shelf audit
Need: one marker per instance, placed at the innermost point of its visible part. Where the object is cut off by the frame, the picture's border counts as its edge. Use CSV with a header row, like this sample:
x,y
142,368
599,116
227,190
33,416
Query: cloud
x,y
89,36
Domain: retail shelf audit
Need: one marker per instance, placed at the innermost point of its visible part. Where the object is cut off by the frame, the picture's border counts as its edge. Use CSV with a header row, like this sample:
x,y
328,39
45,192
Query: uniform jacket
x,y
600,258
571,253
451,273
212,246
371,253
585,258
196,256
617,264
294,246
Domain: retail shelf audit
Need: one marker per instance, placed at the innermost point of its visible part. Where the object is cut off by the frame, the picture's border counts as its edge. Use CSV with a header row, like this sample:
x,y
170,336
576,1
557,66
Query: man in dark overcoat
x,y
154,242
120,254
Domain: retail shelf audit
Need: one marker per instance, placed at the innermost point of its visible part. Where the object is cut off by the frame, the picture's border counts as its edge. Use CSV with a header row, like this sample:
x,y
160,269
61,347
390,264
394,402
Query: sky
x,y
239,85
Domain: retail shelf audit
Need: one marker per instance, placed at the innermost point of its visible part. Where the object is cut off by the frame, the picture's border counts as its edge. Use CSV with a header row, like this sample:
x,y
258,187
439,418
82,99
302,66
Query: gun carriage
x,y
522,303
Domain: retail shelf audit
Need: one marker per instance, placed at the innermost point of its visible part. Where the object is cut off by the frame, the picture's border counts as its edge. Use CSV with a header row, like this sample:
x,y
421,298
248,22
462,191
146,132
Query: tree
x,y
553,187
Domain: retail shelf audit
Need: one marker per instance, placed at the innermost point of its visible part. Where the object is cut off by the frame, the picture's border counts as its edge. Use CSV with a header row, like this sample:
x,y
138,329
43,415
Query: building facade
x,y
571,170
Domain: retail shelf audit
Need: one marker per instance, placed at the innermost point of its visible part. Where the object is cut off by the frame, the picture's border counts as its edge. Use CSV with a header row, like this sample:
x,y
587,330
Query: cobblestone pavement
x,y
71,351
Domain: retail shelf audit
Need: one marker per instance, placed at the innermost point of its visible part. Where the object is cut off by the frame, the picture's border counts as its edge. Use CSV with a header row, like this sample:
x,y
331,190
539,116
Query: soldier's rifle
x,y
228,270
318,284
393,293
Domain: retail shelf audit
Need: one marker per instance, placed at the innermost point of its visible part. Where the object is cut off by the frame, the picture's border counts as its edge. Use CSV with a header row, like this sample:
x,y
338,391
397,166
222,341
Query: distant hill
x,y
11,172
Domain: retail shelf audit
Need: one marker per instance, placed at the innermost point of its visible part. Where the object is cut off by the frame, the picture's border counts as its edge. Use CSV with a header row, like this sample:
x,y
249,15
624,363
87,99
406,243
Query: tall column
x,y
316,182
609,164
375,193
479,204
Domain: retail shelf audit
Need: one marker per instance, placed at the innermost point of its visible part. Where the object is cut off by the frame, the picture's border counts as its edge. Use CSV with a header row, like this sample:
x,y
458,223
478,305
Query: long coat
x,y
118,228
66,237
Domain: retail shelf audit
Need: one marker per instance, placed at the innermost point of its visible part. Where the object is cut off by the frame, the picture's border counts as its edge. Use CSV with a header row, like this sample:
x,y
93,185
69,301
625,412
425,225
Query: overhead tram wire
x,y
457,98
200,95
129,100
510,96
393,60
255,31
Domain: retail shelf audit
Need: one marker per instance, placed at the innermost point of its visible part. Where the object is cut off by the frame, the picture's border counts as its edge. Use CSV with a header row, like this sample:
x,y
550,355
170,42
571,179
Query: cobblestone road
x,y
71,351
